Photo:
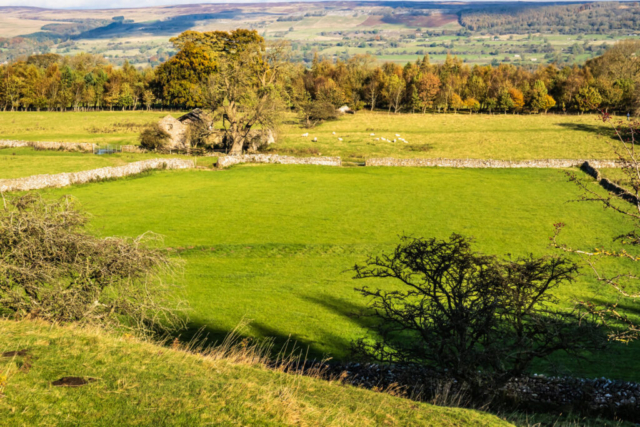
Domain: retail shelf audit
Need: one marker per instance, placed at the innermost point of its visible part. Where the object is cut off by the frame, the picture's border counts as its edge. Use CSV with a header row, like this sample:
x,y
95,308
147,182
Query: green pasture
x,y
462,135
25,161
273,244
103,127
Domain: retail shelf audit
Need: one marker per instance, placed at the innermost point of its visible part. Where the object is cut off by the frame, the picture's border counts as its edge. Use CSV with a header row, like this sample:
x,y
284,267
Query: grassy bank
x,y
272,244
138,383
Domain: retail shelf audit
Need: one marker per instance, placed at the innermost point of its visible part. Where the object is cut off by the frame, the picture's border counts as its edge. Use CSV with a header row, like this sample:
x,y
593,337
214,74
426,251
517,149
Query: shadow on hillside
x,y
315,348
602,130
167,27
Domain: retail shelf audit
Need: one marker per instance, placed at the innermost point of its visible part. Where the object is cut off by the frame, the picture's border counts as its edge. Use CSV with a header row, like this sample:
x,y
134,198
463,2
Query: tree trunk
x,y
236,146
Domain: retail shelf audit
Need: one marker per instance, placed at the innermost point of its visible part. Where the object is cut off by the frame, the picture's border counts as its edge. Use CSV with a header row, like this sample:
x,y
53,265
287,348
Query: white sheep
x,y
372,134
384,139
339,139
376,139
334,133
315,139
397,134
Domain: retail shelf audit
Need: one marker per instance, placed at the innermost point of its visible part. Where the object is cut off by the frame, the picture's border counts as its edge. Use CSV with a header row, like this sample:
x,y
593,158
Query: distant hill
x,y
398,31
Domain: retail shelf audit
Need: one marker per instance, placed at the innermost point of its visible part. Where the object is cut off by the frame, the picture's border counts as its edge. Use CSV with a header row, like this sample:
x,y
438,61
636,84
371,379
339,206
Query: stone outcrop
x,y
36,182
48,145
497,164
345,110
224,162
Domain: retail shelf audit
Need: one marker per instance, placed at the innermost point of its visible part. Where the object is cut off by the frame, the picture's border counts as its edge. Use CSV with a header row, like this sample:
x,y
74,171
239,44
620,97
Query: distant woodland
x,y
89,82
588,18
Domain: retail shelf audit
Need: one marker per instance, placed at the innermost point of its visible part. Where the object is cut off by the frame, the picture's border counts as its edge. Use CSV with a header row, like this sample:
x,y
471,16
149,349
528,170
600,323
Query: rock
x,y
345,110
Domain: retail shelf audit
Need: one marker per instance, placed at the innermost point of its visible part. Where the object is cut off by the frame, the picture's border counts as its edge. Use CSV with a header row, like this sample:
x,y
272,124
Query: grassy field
x,y
138,383
499,136
272,244
21,162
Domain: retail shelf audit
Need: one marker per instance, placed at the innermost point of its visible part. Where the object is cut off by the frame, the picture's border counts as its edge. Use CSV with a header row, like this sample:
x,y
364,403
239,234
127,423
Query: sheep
x,y
339,139
394,140
376,139
305,134
372,134
315,139
397,134
383,138
334,133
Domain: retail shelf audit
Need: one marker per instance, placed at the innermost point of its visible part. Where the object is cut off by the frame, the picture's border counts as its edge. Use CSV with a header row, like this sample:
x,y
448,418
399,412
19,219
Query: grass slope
x,y
272,243
139,383
498,136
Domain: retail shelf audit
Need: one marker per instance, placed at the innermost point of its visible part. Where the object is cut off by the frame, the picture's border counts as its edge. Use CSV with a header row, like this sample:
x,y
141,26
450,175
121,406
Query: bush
x,y
154,137
474,318
316,112
50,268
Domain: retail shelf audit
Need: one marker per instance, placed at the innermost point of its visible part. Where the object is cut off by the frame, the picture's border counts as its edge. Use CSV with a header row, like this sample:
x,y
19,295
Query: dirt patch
x,y
15,353
72,382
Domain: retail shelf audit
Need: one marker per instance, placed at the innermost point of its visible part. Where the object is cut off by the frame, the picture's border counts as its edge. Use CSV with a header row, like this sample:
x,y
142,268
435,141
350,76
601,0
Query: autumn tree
x,y
247,92
393,91
427,87
588,98
539,96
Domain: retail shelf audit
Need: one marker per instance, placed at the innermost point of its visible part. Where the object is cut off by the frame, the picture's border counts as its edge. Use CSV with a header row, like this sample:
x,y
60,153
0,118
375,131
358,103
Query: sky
x,y
108,4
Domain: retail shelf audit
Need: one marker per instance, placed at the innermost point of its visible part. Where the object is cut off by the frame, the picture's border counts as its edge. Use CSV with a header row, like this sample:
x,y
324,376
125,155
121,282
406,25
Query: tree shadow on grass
x,y
605,131
314,348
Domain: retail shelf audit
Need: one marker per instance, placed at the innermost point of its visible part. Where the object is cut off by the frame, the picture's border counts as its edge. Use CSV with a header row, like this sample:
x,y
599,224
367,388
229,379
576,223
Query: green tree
x,y
588,98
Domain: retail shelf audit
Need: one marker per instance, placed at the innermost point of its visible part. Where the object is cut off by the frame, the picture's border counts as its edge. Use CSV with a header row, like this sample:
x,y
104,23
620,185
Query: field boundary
x,y
227,161
84,147
35,182
490,163
609,185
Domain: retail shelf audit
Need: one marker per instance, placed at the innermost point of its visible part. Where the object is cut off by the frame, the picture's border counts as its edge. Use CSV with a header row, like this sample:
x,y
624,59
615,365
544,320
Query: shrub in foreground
x,y
475,318
51,268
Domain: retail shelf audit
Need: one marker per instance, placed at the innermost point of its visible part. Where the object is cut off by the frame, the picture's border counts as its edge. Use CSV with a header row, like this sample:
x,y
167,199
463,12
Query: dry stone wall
x,y
224,162
48,145
608,185
64,179
479,163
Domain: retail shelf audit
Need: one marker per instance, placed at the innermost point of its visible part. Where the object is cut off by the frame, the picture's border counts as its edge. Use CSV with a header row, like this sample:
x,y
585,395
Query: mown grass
x,y
139,383
25,161
498,136
273,244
